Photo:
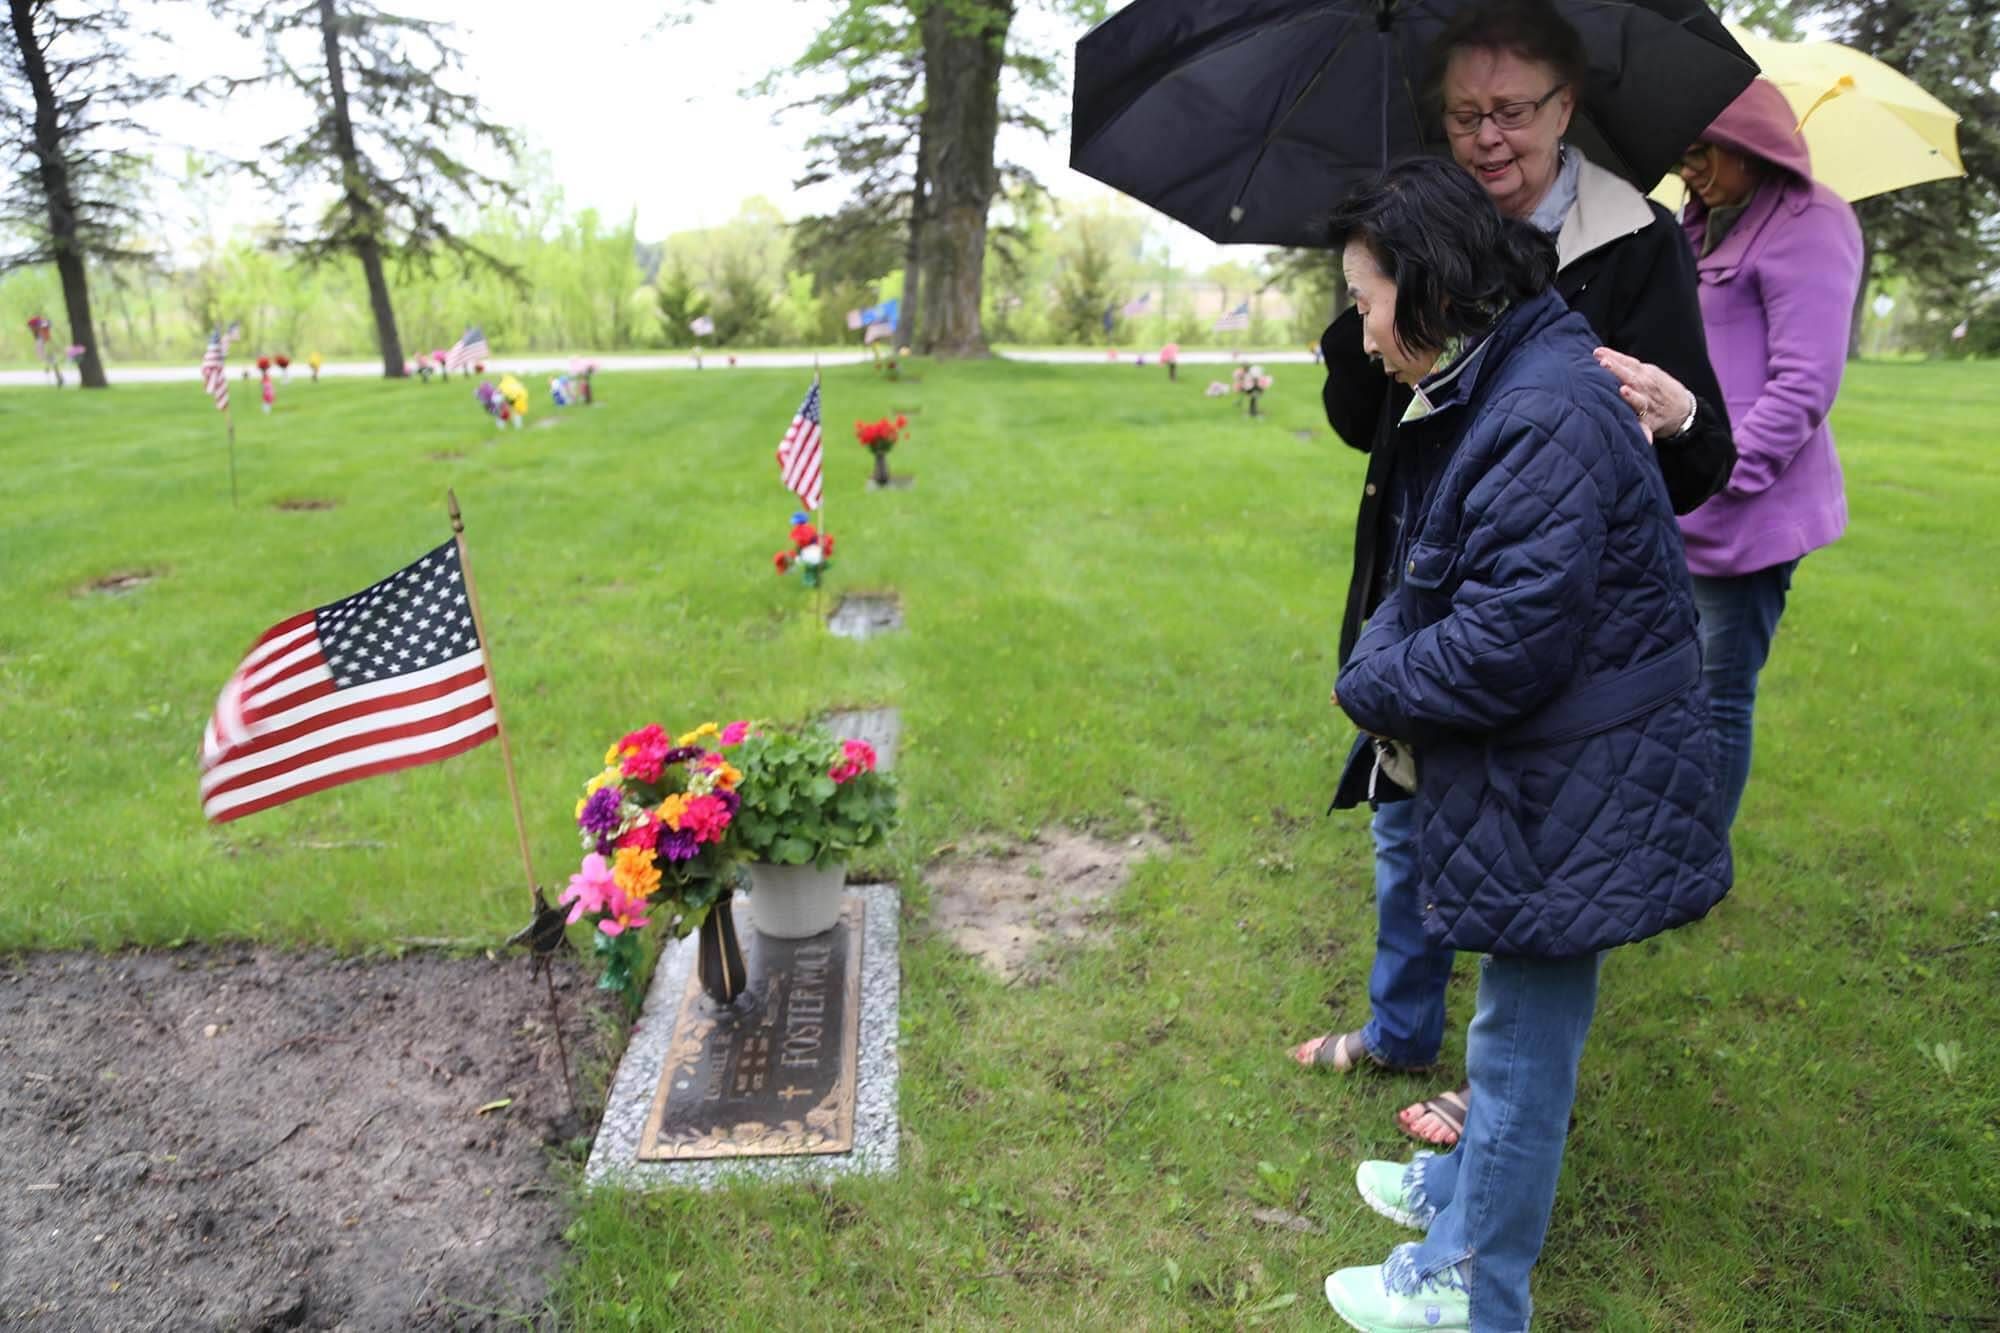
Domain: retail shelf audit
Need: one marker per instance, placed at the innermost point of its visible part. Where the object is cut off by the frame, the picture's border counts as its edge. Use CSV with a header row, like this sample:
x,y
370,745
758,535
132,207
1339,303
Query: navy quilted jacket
x,y
1539,654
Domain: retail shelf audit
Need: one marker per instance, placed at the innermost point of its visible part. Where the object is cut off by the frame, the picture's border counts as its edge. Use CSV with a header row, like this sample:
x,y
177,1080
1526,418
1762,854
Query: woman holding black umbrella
x,y
1537,662
1508,78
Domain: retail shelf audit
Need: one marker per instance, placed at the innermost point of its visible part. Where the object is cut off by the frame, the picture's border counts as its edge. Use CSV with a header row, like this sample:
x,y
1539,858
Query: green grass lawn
x,y
1117,592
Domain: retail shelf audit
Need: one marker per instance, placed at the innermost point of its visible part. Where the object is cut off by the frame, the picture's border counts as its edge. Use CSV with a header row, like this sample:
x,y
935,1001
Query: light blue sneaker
x,y
1381,1186
1362,1297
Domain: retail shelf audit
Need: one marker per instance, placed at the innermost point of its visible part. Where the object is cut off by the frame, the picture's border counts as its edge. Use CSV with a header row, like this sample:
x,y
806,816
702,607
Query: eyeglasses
x,y
1698,158
1507,116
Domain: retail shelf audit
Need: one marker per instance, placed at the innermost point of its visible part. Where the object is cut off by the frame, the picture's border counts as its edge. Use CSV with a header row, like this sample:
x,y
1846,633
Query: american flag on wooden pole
x,y
469,350
798,452
390,677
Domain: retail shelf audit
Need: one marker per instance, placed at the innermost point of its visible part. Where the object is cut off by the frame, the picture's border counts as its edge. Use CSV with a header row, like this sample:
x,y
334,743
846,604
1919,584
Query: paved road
x,y
654,361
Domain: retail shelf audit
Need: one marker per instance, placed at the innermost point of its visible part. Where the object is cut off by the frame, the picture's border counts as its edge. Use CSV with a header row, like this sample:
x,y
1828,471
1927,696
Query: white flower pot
x,y
795,902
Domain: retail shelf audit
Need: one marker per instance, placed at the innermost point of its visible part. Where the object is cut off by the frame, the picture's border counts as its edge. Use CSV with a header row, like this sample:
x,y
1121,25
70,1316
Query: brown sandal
x,y
1342,1052
1448,1108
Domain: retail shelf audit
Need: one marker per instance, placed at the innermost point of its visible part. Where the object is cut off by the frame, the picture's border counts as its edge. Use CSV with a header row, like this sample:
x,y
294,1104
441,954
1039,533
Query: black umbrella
x,y
1249,119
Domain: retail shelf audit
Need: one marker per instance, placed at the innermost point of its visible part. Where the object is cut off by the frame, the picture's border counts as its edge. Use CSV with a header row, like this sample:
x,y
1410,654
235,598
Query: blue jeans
x,y
1739,616
1493,1192
1406,984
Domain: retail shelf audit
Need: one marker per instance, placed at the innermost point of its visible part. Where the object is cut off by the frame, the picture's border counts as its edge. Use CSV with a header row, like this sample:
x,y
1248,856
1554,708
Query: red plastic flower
x,y
856,758
644,753
283,362
707,817
826,544
263,363
783,560
804,534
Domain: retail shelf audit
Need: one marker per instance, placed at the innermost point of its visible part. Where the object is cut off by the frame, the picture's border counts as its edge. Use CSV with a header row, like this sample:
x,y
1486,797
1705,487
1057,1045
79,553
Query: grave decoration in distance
x,y
284,367
264,372
315,361
656,826
879,437
1170,357
44,332
810,803
1251,382
812,551
495,406
515,393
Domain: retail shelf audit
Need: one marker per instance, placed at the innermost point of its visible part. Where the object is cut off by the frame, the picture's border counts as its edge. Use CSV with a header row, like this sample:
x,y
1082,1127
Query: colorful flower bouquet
x,y
1252,382
812,551
656,826
879,437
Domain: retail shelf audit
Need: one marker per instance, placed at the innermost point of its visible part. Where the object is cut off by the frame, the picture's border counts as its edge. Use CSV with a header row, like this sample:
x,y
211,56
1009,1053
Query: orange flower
x,y
635,872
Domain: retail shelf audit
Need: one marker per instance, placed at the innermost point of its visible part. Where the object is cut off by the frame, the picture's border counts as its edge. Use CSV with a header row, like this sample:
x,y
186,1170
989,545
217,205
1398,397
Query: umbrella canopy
x,y
1249,119
1869,128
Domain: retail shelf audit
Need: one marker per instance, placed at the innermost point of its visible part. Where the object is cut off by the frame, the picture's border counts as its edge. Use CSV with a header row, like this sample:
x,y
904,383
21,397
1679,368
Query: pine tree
x,y
385,137
65,82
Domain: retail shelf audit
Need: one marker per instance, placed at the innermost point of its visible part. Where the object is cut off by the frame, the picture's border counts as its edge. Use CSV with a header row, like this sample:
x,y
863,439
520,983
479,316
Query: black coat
x,y
1639,293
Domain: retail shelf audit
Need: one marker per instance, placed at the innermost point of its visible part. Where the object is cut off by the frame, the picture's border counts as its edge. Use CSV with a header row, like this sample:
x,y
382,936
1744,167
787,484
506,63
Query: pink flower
x,y
645,753
645,833
706,817
590,888
734,733
856,758
622,913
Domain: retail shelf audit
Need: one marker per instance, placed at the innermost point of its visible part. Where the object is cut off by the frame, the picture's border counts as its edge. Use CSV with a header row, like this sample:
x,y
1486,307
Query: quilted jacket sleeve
x,y
1519,569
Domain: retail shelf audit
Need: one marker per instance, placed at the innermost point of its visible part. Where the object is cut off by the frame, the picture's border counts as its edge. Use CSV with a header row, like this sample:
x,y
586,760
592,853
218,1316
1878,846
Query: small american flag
x,y
854,319
1134,309
1236,321
702,326
213,377
390,677
877,332
469,350
798,452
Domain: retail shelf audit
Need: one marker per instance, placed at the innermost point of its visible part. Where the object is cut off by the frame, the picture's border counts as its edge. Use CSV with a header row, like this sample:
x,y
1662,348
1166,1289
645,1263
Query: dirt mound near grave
x,y
1003,903
237,1138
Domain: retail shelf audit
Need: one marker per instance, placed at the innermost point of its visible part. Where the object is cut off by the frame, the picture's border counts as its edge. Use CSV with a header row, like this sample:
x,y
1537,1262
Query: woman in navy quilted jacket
x,y
1534,661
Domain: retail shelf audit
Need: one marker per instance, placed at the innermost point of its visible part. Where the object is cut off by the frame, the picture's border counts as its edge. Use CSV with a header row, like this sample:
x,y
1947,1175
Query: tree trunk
x,y
363,216
54,171
913,257
964,42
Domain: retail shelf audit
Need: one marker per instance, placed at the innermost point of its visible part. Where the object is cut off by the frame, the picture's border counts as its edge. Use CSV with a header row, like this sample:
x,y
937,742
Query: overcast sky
x,y
630,117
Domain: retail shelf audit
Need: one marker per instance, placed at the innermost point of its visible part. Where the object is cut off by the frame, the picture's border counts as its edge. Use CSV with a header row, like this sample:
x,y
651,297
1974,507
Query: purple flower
x,y
678,844
682,754
600,812
730,799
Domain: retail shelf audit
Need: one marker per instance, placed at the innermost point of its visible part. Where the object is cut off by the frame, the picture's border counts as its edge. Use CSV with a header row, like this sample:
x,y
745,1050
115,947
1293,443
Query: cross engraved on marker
x,y
788,1092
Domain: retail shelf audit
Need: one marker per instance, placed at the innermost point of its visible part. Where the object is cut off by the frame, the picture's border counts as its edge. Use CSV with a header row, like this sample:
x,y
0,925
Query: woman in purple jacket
x,y
1779,258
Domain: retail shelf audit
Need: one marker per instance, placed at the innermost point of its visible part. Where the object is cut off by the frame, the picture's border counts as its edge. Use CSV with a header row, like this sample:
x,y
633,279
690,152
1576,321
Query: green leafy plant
x,y
809,797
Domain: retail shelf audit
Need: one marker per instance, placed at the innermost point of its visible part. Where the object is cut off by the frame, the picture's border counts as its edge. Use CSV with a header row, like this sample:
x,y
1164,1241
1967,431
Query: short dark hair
x,y
1456,262
1531,29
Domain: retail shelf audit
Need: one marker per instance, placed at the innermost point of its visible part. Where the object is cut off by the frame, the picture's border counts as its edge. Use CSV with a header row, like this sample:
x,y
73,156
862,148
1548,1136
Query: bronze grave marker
x,y
772,1075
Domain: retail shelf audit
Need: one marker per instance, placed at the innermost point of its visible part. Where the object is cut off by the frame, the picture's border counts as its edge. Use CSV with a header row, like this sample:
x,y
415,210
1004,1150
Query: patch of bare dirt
x,y
305,505
123,581
1003,904
242,1139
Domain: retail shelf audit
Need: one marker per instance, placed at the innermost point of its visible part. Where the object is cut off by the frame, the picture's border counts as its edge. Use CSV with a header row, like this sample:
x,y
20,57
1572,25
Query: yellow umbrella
x,y
1871,130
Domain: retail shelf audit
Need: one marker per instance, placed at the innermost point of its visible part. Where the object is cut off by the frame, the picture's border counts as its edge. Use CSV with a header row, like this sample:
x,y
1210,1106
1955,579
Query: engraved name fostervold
x,y
773,1074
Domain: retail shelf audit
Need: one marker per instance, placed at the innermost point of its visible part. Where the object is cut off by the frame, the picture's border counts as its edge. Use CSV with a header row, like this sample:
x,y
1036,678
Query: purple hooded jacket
x,y
1777,300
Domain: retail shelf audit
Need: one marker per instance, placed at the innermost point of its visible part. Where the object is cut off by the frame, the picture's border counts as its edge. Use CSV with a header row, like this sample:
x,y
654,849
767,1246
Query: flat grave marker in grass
x,y
660,1046
118,583
902,483
879,727
863,617
773,1074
